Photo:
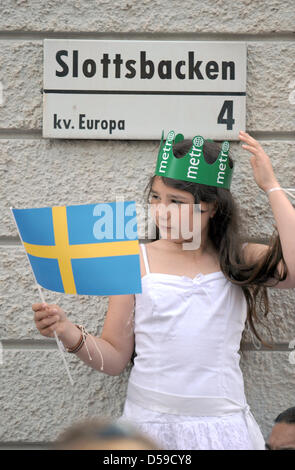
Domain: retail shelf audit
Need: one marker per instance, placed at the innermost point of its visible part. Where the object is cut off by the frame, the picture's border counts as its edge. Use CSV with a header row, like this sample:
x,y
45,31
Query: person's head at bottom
x,y
103,434
282,436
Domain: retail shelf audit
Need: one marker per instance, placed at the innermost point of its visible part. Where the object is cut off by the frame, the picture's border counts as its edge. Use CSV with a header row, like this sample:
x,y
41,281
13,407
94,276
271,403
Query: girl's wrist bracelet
x,y
81,341
274,189
286,190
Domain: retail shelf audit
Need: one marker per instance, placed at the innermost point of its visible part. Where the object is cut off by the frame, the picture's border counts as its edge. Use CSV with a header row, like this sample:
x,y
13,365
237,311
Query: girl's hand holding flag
x,y
50,319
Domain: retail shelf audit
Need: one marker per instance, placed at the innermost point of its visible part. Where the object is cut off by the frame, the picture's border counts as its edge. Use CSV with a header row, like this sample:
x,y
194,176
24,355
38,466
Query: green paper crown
x,y
193,167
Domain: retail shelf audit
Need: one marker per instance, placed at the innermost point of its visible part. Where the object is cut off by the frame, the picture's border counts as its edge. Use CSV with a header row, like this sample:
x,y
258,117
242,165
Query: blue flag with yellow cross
x,y
88,249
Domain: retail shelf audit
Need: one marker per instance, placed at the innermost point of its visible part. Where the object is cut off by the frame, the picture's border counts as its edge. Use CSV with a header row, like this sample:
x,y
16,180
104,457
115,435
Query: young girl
x,y
186,390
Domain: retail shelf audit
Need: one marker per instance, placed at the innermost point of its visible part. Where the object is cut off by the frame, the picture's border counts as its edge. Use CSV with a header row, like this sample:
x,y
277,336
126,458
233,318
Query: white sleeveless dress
x,y
186,389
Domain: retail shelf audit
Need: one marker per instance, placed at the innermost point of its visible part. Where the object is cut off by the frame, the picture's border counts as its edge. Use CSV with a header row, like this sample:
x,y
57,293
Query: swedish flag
x,y
71,253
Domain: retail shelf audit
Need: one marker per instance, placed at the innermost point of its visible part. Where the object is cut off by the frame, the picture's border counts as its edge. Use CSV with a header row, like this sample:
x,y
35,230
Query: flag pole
x,y
58,342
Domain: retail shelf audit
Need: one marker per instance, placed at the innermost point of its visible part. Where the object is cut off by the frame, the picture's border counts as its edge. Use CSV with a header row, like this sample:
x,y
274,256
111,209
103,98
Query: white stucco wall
x,y
36,398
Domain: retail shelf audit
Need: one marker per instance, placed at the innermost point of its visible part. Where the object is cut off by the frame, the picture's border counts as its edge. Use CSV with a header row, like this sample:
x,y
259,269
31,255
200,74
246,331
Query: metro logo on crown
x,y
193,166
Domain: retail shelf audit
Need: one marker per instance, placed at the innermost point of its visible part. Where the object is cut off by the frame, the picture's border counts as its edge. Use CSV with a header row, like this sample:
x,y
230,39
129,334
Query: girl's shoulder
x,y
156,244
154,248
161,259
151,249
152,245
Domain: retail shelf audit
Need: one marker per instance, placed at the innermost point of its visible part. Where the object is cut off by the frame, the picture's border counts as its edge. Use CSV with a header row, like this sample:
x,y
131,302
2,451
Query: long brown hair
x,y
225,230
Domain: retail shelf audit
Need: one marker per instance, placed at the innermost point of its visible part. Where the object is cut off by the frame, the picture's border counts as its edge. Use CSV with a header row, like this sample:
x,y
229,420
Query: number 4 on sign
x,y
227,107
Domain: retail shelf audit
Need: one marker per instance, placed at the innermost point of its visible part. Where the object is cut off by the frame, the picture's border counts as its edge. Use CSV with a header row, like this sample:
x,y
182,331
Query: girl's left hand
x,y
260,162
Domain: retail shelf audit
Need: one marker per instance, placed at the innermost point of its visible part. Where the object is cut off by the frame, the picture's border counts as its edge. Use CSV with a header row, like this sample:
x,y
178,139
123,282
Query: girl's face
x,y
173,212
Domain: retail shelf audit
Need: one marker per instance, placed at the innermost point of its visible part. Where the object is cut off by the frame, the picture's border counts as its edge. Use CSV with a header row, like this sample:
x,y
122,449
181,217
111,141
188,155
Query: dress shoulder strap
x,y
244,244
143,248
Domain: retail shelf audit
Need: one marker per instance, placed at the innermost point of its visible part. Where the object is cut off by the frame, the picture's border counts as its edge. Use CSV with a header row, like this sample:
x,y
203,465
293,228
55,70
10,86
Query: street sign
x,y
99,89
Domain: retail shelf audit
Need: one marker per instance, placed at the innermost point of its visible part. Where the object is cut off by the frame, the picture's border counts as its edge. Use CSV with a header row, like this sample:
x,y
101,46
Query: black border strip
x,y
136,92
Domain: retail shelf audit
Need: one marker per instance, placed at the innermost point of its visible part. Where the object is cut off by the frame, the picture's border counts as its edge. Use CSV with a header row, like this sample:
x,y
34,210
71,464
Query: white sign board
x,y
97,89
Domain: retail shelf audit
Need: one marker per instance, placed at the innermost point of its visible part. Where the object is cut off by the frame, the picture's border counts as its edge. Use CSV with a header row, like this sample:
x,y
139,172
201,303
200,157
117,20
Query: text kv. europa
x,y
113,66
